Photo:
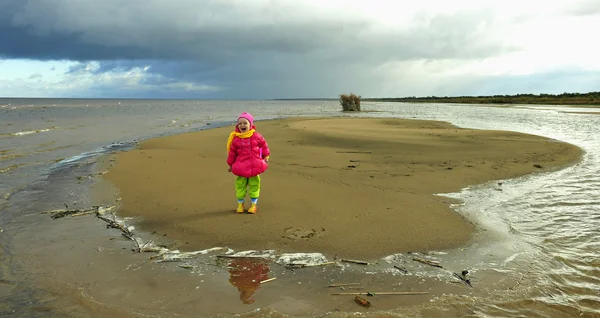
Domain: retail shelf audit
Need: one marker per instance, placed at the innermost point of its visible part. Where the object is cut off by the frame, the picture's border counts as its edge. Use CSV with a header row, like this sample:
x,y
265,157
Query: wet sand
x,y
346,187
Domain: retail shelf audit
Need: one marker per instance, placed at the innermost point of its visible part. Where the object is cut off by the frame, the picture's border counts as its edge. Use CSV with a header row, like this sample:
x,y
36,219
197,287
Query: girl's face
x,y
243,124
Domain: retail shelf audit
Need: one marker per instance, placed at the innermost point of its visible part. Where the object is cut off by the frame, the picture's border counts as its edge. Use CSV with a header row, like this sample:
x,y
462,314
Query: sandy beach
x,y
347,187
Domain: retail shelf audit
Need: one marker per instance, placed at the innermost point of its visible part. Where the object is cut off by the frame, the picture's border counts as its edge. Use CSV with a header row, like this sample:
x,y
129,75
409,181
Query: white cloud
x,y
84,82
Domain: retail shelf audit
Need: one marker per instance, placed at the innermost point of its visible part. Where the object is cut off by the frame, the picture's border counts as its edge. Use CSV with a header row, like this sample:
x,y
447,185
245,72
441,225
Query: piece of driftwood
x,y
83,213
301,265
342,284
105,214
60,213
361,301
268,280
112,223
111,220
101,213
365,152
148,246
424,261
355,261
402,269
382,293
463,279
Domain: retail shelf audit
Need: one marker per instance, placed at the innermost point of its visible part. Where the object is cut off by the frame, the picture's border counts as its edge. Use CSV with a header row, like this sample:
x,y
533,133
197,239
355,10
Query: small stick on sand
x,y
268,280
383,293
343,284
355,261
56,214
402,269
320,264
424,261
293,265
83,213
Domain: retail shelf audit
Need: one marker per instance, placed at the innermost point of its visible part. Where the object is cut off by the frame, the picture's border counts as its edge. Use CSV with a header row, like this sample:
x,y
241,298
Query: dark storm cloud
x,y
78,30
206,30
252,49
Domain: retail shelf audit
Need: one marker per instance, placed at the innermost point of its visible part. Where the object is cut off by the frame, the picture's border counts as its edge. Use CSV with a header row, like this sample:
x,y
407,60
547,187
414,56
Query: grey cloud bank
x,y
236,49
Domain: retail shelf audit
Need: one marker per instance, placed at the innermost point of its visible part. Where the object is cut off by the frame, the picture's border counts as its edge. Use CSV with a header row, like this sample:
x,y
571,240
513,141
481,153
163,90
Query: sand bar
x,y
351,187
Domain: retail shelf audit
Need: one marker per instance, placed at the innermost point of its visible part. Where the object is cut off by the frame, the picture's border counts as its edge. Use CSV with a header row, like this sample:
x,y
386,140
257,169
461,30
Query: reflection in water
x,y
246,274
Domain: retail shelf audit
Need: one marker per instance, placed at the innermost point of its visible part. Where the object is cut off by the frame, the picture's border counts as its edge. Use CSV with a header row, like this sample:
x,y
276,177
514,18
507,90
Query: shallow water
x,y
537,253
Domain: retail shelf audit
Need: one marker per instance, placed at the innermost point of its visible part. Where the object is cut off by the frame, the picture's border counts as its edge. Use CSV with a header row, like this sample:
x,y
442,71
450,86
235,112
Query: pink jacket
x,y
246,155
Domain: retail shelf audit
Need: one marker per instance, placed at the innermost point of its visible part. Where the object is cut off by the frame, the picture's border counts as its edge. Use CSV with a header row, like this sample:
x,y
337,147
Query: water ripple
x,y
547,223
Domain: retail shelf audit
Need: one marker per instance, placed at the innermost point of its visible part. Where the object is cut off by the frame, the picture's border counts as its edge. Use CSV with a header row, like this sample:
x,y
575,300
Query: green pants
x,y
241,185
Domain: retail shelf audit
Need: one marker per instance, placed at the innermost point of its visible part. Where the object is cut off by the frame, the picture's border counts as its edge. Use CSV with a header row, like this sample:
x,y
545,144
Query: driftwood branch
x,y
110,219
83,213
268,280
57,214
163,254
424,261
342,284
402,269
301,265
112,223
355,261
382,293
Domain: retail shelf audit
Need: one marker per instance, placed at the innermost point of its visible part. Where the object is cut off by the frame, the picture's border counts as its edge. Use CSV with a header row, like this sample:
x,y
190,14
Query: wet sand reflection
x,y
246,274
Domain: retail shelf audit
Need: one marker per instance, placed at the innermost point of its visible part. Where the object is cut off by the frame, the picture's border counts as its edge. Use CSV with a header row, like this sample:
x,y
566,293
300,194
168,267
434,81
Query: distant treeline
x,y
592,98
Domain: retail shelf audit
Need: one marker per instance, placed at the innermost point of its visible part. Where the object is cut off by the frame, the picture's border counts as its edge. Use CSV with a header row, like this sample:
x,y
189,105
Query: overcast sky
x,y
259,49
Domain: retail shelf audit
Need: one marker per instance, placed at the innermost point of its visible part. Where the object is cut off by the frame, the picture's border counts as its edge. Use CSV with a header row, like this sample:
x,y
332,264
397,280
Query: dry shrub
x,y
350,103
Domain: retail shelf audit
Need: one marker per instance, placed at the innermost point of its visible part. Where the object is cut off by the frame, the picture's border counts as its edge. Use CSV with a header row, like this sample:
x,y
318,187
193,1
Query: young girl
x,y
247,157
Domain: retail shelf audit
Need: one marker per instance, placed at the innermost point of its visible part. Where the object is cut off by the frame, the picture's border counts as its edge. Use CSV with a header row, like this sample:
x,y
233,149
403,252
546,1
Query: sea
x,y
536,252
